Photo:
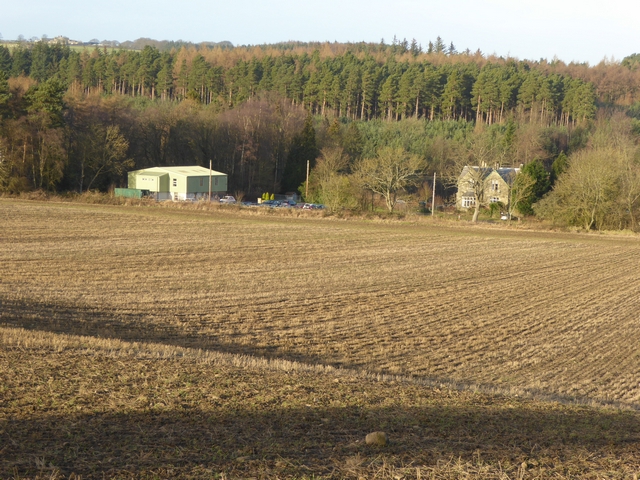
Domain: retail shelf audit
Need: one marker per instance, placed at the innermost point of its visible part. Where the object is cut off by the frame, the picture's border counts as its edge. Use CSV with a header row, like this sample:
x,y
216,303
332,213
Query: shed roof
x,y
186,171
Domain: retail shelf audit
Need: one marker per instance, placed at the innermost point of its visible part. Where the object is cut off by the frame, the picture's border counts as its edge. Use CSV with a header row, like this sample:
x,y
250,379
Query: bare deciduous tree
x,y
584,195
328,183
107,152
391,171
521,186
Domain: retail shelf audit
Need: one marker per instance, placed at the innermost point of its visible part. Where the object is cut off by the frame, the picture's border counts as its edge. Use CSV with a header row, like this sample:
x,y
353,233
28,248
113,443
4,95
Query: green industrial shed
x,y
178,183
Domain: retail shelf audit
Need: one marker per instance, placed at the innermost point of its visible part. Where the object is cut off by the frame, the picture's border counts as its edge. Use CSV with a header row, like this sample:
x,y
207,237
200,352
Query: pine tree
x,y
433,87
389,94
165,77
5,60
452,95
430,48
5,95
415,49
303,149
198,77
21,57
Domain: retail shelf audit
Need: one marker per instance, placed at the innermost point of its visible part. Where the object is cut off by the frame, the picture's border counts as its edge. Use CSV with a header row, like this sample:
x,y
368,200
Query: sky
x,y
571,30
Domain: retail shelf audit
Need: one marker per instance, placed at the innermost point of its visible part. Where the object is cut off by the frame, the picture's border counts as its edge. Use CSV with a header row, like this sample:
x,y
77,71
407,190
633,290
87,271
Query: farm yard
x,y
161,342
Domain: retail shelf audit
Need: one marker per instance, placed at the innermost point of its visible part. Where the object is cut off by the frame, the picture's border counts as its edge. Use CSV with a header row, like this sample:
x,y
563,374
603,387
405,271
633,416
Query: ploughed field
x,y
280,340
523,311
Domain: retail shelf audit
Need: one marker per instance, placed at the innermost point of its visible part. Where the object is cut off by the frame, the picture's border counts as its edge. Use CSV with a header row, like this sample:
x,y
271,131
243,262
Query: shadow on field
x,y
315,441
244,439
131,327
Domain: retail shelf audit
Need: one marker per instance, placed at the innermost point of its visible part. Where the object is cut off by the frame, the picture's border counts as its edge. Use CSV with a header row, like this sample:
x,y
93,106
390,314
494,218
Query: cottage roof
x,y
486,171
508,174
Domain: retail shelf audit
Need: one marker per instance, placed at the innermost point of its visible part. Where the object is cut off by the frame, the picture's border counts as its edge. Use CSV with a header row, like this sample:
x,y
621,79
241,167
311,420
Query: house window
x,y
215,180
495,199
175,182
201,181
495,185
468,202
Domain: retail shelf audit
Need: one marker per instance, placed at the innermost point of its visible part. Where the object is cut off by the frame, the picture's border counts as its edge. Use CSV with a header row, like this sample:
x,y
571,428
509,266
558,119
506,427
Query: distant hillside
x,y
168,45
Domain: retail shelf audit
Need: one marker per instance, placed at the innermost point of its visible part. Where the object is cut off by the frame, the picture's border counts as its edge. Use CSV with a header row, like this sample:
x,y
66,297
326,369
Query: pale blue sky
x,y
583,31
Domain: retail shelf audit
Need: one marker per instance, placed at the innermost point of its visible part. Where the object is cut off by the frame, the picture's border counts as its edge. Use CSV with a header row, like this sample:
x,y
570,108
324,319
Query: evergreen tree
x,y
528,92
303,148
21,64
558,167
389,95
452,95
325,87
47,99
73,69
370,79
183,81
352,141
486,93
311,92
5,95
433,85
542,185
352,88
165,77
415,49
148,70
5,60
198,77
111,74
40,61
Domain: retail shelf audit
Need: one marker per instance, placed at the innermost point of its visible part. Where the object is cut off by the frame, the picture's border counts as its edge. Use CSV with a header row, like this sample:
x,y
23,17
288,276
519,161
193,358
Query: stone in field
x,y
377,438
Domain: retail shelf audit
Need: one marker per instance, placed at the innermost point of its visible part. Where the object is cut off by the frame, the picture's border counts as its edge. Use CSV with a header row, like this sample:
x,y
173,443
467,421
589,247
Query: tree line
x,y
77,120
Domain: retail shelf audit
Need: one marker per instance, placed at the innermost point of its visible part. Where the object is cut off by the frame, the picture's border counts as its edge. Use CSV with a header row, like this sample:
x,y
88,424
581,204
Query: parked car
x,y
288,203
271,203
313,206
228,199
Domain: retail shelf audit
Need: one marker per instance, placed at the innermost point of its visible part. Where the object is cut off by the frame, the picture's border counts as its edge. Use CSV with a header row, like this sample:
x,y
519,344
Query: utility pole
x,y
209,181
306,185
433,196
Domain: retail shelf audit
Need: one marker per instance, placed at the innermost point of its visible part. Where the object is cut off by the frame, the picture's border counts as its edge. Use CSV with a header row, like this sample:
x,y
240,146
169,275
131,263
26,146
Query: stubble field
x,y
379,319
